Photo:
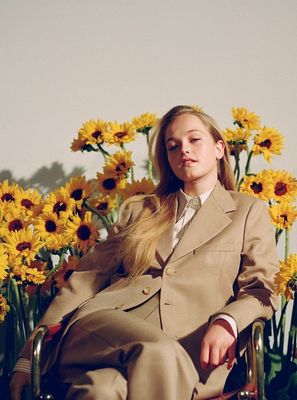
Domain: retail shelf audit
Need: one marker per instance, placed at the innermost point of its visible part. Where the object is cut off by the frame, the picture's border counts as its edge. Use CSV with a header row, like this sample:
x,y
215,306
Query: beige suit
x,y
224,263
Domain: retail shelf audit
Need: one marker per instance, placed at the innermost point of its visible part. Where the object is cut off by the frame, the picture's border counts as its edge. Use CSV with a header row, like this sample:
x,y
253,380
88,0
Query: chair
x,y
253,389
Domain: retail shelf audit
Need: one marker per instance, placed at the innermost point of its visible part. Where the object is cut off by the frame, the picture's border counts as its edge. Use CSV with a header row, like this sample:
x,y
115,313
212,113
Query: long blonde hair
x,y
139,240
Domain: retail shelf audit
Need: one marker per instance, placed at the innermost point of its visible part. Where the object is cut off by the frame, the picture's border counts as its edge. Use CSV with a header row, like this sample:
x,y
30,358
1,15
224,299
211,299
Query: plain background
x,y
64,62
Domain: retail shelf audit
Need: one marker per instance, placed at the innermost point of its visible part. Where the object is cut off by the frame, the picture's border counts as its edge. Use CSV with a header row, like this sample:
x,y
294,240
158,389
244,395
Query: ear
x,y
220,149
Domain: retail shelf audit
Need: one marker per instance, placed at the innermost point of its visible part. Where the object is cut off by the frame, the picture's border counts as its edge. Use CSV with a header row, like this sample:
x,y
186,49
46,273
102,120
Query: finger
x,y
214,356
223,357
231,356
204,356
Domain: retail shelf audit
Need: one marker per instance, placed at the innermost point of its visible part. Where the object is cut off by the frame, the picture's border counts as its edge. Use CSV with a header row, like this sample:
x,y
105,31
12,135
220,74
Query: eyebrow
x,y
189,131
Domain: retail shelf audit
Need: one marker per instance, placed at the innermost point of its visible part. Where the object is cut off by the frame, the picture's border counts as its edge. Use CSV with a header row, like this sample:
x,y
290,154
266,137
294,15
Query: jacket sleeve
x,y
92,274
254,286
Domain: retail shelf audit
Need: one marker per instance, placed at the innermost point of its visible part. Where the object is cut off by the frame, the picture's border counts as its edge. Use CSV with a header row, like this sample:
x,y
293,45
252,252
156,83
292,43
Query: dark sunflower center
x,y
96,134
109,183
284,217
257,187
59,207
77,194
266,143
102,206
120,135
7,197
83,232
15,225
23,246
27,203
120,167
50,226
292,283
280,189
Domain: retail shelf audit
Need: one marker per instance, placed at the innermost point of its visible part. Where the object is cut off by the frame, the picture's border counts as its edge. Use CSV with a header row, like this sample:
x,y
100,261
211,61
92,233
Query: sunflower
x,y
236,139
246,119
3,263
283,215
65,271
104,204
4,308
78,144
267,142
60,203
259,185
22,245
52,230
9,193
15,219
284,185
139,187
30,200
238,135
119,164
144,122
83,232
24,274
195,107
93,131
79,189
120,134
109,184
286,279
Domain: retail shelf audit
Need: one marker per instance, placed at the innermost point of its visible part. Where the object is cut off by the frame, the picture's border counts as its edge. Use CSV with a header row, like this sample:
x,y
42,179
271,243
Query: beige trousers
x,y
118,355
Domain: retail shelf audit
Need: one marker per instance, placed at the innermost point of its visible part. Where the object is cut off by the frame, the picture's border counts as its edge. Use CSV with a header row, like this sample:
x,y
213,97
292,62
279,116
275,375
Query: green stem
x,y
21,337
53,270
286,243
132,174
282,323
93,210
103,152
150,164
284,309
247,166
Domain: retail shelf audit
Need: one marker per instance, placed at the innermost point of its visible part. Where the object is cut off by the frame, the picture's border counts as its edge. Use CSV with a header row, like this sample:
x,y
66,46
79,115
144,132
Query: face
x,y
193,153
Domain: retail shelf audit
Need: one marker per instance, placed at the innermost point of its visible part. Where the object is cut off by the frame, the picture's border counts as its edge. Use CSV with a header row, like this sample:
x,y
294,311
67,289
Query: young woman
x,y
157,310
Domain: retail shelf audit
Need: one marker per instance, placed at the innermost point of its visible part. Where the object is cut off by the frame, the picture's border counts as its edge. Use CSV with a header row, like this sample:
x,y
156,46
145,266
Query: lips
x,y
186,162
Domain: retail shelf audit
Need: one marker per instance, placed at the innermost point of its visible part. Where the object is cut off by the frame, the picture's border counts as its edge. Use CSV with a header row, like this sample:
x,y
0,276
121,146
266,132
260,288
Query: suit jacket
x,y
225,262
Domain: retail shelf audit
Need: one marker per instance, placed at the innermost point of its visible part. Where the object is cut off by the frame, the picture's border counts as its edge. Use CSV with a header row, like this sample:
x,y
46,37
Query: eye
x,y
193,140
172,147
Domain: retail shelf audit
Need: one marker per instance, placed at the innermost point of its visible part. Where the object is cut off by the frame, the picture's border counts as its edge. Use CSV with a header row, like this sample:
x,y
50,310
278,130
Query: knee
x,y
103,384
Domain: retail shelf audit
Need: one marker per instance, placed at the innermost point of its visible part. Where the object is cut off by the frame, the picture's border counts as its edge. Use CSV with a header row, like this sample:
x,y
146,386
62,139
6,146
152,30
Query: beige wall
x,y
63,62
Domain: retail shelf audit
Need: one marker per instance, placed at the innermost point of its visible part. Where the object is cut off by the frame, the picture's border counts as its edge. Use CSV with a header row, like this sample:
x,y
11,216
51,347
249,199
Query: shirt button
x,y
146,290
170,271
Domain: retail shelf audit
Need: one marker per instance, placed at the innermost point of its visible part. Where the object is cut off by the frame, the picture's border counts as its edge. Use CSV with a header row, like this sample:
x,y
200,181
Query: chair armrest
x,y
43,333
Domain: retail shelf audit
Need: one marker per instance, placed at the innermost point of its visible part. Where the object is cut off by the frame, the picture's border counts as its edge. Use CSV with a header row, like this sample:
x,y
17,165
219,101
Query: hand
x,y
18,382
218,345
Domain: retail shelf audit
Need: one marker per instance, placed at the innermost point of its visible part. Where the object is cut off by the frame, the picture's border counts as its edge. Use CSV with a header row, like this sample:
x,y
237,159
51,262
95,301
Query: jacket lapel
x,y
164,247
210,220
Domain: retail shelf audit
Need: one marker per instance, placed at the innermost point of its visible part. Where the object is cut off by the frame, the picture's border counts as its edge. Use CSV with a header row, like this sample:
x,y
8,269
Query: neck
x,y
198,188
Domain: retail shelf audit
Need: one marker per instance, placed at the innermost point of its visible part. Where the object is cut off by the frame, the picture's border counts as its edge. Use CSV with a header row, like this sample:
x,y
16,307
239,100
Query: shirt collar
x,y
184,199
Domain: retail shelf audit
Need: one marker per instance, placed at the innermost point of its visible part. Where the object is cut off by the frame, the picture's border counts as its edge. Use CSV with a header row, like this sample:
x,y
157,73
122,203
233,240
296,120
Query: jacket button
x,y
170,271
146,290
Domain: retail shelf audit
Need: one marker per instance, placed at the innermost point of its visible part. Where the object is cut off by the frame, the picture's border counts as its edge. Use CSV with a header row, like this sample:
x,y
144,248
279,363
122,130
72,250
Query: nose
x,y
184,149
